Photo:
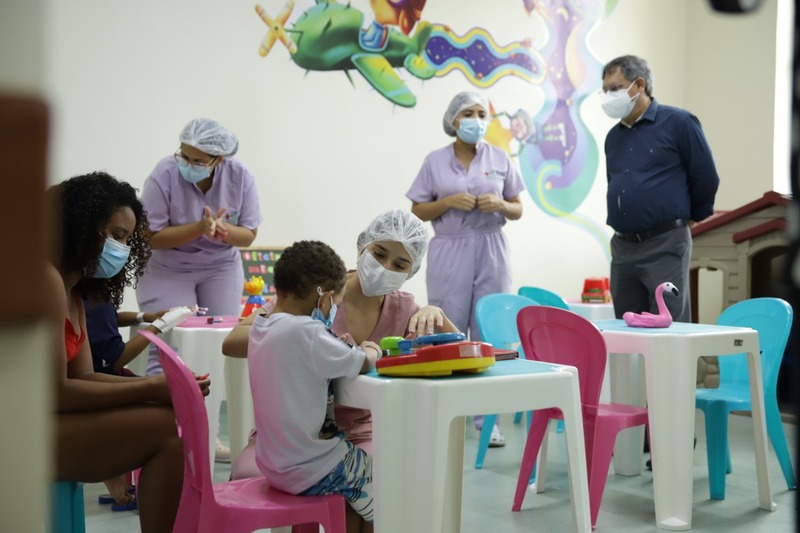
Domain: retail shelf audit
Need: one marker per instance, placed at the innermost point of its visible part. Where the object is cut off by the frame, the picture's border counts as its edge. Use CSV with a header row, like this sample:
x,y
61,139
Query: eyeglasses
x,y
180,157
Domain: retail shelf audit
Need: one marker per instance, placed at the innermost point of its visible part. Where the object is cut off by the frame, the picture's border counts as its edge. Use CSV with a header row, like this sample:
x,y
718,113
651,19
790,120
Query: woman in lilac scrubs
x,y
467,189
202,204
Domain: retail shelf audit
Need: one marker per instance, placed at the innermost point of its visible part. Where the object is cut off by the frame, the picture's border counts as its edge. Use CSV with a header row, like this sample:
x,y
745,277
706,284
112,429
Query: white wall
x,y
125,77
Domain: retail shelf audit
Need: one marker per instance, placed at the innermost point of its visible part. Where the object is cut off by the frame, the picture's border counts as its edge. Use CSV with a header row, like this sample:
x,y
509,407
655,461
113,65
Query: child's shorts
x,y
352,478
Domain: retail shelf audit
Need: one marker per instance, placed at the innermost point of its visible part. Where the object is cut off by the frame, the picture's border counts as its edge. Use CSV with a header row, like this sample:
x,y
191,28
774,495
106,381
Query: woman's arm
x,y
426,211
77,387
136,345
490,203
173,236
237,235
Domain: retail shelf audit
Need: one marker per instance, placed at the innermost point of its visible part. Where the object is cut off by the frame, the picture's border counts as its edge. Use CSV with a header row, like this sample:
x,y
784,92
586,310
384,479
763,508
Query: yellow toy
x,y
254,287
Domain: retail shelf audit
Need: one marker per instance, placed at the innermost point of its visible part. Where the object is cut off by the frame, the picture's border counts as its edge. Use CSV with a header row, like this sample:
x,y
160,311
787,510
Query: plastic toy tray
x,y
440,360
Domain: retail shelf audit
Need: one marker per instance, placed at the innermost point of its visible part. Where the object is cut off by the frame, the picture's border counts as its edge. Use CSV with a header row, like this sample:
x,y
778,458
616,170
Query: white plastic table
x,y
418,436
592,311
669,356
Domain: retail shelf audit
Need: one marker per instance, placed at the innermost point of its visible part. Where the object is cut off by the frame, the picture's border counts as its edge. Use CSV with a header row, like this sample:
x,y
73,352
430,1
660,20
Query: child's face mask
x,y
316,314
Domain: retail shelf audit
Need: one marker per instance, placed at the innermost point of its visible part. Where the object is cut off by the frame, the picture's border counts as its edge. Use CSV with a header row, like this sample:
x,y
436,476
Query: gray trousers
x,y
637,268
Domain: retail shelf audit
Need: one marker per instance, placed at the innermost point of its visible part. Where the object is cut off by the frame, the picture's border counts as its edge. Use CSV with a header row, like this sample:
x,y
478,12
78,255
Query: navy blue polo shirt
x,y
103,335
659,169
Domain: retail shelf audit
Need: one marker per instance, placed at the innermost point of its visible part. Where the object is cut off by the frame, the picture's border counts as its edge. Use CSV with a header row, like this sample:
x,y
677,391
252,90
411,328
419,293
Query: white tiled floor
x,y
627,503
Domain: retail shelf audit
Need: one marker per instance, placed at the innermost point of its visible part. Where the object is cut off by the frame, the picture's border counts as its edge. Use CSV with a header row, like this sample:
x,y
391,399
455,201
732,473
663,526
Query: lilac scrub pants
x,y
461,270
219,289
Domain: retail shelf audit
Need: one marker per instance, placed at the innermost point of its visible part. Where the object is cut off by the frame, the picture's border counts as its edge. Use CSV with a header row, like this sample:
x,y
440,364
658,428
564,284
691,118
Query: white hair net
x,y
399,226
210,137
459,103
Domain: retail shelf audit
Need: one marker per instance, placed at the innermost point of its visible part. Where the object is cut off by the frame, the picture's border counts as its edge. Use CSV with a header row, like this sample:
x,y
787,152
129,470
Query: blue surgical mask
x,y
112,258
316,314
193,173
471,130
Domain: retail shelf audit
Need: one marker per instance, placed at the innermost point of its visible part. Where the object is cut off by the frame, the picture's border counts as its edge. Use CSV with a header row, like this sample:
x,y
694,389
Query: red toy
x,y
596,290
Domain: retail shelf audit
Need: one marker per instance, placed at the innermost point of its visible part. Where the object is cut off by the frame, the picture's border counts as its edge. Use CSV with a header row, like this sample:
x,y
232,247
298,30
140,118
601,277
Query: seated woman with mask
x,y
390,251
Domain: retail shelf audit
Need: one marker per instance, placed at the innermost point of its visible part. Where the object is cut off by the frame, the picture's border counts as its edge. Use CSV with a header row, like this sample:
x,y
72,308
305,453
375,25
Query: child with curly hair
x,y
292,357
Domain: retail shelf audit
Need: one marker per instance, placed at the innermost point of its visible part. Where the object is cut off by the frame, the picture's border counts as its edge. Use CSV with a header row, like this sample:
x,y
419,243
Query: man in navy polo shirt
x,y
661,181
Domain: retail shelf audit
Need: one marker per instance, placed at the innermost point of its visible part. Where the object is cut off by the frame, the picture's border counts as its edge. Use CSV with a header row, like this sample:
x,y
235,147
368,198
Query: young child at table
x,y
292,357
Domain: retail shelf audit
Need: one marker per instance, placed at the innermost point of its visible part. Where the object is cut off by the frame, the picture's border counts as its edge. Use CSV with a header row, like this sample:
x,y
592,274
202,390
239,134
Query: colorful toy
x,y
648,320
254,287
434,355
596,290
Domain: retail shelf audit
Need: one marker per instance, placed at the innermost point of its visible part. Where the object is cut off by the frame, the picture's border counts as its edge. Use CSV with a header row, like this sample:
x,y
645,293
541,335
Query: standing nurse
x,y
202,204
467,189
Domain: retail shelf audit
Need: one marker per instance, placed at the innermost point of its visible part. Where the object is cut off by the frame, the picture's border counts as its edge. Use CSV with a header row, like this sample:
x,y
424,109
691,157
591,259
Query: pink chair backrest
x,y
190,417
557,336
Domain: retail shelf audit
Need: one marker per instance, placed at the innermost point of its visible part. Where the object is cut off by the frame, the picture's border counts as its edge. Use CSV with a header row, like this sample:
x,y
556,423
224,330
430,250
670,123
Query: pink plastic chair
x,y
557,336
234,506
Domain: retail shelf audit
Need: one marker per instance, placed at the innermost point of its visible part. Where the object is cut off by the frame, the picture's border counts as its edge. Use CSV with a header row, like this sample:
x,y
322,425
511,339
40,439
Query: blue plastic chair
x,y
496,315
543,297
772,318
67,508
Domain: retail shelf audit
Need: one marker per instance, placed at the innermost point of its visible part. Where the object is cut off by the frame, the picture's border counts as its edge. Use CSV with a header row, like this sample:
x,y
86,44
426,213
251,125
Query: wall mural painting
x,y
556,152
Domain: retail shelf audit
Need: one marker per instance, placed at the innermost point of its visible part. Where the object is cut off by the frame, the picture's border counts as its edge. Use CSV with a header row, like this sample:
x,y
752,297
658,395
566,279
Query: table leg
x,y
451,520
628,386
409,481
671,380
576,461
240,404
759,431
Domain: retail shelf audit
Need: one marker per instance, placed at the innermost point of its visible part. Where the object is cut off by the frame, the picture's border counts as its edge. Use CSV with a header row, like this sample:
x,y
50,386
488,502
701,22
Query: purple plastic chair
x,y
557,336
234,506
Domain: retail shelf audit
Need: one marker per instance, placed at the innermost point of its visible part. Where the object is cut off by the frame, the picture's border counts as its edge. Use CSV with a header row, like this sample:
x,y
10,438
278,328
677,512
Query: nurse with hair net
x,y
389,252
468,190
202,205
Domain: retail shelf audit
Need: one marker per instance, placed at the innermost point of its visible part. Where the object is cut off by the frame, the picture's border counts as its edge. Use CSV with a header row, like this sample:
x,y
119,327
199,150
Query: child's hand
x,y
204,383
373,352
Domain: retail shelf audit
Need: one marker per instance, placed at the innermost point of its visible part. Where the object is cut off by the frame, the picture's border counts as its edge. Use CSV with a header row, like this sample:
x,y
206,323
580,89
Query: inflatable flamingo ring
x,y
648,320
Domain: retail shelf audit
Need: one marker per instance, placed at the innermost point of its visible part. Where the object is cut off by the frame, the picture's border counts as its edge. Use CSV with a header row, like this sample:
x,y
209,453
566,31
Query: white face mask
x,y
619,104
376,280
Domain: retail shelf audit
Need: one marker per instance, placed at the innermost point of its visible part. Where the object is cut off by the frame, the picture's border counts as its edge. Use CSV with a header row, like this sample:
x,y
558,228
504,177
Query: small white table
x,y
592,311
418,436
670,358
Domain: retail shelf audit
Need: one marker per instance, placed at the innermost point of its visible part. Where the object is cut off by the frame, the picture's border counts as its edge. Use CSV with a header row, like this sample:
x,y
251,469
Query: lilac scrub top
x,y
170,200
442,175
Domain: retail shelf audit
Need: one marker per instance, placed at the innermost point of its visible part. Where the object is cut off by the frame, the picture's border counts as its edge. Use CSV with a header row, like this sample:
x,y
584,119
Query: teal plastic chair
x,y
496,315
543,297
67,508
772,318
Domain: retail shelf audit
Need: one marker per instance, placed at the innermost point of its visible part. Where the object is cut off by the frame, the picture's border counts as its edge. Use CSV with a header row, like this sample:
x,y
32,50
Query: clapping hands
x,y
213,225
